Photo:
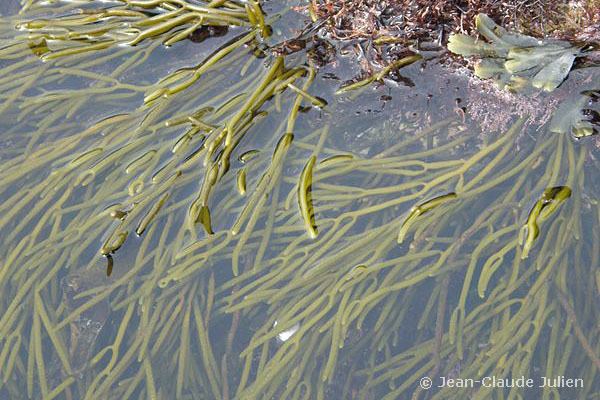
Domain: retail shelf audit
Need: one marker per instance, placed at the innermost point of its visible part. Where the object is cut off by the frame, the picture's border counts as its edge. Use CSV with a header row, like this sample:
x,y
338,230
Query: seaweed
x,y
516,61
573,116
221,287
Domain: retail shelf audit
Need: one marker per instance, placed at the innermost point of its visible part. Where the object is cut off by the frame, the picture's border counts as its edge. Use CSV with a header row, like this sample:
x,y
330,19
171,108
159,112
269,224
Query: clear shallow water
x,y
191,315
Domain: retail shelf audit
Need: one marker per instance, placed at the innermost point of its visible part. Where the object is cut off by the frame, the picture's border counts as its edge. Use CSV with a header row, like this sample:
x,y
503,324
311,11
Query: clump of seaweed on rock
x,y
382,29
425,19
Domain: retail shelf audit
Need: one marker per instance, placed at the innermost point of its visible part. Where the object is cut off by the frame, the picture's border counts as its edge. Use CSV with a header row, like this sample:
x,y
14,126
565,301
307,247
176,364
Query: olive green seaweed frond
x,y
513,60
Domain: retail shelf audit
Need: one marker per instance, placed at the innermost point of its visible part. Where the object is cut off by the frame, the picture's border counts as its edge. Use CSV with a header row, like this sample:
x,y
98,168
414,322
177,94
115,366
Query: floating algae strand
x,y
304,197
421,209
214,294
546,205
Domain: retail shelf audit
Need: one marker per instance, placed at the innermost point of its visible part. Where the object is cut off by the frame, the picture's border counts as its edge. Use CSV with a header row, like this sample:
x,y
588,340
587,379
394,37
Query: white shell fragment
x,y
288,333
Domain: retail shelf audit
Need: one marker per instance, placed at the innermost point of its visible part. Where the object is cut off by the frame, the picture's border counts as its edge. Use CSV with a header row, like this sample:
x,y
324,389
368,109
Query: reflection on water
x,y
446,244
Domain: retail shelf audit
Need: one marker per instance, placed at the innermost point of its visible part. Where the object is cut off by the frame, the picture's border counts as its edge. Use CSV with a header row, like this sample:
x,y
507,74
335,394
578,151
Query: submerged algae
x,y
193,309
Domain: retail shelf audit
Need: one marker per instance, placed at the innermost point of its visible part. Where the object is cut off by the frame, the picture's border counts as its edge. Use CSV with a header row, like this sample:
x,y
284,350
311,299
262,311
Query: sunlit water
x,y
270,312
